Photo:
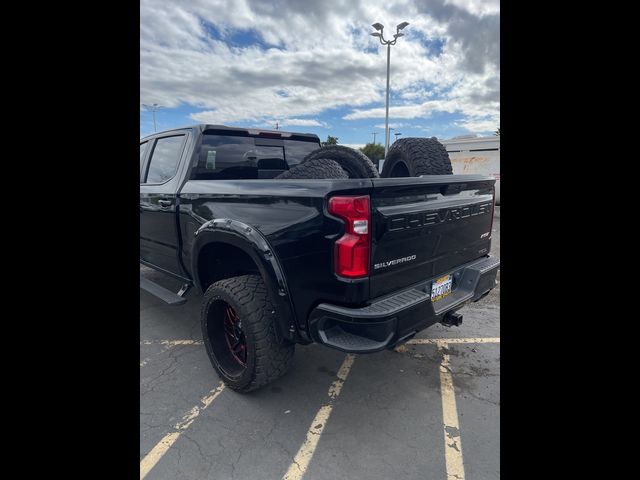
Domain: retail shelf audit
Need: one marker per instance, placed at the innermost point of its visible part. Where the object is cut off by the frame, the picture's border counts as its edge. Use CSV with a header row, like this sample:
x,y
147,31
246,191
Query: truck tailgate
x,y
426,226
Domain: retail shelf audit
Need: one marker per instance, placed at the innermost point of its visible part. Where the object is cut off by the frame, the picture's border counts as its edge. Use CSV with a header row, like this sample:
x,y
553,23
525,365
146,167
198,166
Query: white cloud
x,y
319,56
422,110
480,125
213,117
485,7
396,125
302,122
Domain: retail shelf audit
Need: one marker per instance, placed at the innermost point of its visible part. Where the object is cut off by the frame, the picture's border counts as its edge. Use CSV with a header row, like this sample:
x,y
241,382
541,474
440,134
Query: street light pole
x,y
153,109
386,116
374,137
379,27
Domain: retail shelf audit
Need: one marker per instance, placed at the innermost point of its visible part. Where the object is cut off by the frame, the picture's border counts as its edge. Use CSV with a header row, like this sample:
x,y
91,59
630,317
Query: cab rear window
x,y
229,157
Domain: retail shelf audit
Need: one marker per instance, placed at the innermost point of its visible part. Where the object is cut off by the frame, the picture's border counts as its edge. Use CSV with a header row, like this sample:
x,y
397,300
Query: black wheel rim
x,y
226,340
234,335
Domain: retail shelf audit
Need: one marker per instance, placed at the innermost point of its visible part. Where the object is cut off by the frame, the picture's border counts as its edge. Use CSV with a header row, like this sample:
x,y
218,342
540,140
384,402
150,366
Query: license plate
x,y
441,288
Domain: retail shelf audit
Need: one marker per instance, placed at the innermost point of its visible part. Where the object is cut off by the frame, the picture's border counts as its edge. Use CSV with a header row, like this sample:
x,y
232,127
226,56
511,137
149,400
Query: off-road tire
x,y
318,168
268,355
412,157
354,162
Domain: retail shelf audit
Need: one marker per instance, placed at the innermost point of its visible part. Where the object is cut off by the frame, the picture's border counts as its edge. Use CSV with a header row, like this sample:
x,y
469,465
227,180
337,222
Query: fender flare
x,y
254,244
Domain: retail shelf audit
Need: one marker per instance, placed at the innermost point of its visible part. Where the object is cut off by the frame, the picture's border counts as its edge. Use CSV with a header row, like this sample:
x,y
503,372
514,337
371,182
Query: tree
x,y
374,151
330,141
497,134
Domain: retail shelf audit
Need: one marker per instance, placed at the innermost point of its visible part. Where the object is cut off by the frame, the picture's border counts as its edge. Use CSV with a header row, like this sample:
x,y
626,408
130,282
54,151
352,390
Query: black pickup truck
x,y
357,264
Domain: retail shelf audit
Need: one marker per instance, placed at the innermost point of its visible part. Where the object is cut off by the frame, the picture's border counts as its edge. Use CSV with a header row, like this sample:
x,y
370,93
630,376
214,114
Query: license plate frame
x,y
441,288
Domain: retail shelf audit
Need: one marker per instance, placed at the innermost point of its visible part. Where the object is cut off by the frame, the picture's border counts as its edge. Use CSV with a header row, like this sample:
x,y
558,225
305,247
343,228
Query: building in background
x,y
475,155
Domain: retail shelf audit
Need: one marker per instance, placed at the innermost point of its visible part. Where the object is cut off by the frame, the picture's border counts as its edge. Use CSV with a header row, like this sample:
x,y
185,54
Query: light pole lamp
x,y
397,134
154,108
380,34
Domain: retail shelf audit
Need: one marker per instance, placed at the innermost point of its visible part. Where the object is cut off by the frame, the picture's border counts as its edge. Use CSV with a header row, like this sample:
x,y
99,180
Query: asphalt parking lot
x,y
429,410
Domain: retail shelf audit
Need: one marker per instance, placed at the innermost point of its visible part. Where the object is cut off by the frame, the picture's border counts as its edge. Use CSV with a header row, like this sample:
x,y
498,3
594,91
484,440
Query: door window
x,y
143,150
164,159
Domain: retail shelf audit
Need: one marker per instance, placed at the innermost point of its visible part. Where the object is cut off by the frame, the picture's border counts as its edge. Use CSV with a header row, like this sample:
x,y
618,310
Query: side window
x,y
143,150
164,159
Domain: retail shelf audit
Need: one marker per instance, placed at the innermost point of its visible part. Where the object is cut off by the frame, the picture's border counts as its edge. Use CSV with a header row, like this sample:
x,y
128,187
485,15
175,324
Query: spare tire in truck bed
x,y
412,157
352,161
318,168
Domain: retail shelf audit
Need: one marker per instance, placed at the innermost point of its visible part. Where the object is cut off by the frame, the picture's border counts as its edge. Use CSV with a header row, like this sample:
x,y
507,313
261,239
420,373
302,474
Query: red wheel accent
x,y
234,336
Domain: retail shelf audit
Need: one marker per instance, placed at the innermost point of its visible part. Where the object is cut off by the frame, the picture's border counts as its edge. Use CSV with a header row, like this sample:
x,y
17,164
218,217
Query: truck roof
x,y
251,131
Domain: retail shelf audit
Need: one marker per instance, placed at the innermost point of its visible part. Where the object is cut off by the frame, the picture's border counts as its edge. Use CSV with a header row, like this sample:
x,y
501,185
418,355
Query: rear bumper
x,y
394,318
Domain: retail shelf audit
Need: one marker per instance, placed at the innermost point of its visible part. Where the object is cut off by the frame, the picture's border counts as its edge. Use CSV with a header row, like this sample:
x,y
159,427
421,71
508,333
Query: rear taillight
x,y
352,249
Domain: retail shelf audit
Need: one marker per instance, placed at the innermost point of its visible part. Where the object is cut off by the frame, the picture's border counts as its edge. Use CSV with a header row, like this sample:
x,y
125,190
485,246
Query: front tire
x,y
239,332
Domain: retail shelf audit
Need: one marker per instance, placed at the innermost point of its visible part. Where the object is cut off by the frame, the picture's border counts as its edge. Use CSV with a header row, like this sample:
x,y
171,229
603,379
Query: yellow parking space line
x,y
171,343
167,344
451,427
157,452
450,423
301,461
414,341
442,341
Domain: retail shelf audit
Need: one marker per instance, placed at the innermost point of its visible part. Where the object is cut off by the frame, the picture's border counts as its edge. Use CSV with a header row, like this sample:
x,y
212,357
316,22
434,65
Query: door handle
x,y
164,203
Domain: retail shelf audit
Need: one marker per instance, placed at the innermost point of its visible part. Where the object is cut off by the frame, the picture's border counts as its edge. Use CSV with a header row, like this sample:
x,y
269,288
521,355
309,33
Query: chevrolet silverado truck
x,y
356,264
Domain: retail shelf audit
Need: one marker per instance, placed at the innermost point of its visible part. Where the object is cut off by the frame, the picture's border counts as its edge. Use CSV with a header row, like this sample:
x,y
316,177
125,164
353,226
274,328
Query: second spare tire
x,y
412,157
318,168
354,162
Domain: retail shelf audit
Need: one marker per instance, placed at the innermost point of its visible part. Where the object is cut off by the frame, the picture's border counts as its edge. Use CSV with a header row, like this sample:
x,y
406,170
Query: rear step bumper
x,y
394,318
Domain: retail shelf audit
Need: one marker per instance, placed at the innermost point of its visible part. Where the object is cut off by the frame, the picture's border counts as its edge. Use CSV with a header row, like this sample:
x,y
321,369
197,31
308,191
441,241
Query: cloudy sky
x,y
312,66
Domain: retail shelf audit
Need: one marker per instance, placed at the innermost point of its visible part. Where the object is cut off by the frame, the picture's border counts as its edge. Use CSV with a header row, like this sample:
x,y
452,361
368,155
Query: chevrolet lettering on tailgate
x,y
424,219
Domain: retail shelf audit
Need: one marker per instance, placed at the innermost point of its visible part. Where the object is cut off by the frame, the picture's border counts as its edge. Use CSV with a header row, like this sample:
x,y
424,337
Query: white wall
x,y
479,155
